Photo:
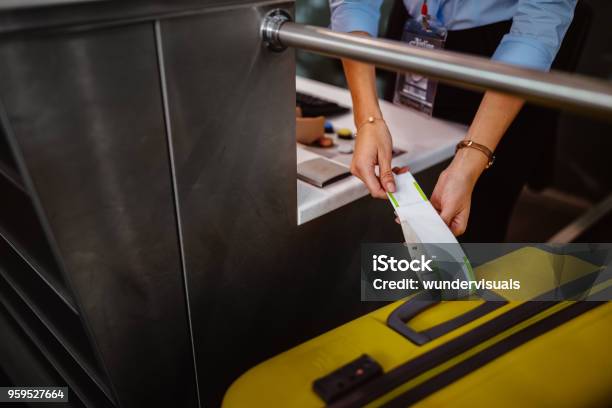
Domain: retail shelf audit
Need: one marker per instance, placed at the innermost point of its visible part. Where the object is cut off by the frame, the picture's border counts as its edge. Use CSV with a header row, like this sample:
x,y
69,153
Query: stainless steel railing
x,y
572,92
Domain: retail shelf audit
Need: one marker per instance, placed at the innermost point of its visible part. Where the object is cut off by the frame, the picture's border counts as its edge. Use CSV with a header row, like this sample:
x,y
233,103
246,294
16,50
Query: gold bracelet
x,y
481,148
371,119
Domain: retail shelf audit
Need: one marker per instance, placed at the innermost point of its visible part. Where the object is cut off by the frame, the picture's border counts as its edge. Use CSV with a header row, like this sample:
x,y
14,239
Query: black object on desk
x,y
313,106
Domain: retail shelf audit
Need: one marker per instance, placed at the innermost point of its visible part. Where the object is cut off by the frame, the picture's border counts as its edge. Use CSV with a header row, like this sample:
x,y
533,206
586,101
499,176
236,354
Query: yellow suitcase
x,y
460,353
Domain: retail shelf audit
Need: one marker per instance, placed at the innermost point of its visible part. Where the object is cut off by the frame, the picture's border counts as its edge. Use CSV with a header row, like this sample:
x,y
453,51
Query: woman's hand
x,y
374,147
452,195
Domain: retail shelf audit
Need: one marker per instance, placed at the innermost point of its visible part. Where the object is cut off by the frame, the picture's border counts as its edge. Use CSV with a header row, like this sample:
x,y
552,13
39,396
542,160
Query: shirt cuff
x,y
348,18
524,52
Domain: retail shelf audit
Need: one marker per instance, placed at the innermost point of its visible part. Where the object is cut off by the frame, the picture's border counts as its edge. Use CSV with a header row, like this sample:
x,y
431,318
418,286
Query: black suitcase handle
x,y
399,318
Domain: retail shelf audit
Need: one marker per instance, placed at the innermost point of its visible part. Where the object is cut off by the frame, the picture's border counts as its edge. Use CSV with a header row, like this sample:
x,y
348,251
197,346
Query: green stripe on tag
x,y
416,185
468,265
393,200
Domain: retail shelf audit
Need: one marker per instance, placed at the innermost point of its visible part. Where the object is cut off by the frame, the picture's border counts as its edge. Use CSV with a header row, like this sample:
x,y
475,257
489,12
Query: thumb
x,y
447,212
386,174
459,223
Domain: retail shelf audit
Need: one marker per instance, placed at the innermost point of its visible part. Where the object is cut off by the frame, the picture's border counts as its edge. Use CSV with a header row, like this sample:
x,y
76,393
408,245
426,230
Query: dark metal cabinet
x,y
150,251
232,123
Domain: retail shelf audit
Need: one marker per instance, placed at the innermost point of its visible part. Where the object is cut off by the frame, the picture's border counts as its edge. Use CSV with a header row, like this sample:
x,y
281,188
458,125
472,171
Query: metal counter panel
x,y
232,118
86,111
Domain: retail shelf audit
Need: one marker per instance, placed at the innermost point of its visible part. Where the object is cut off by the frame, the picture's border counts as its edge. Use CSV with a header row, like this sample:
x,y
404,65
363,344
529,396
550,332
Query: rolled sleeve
x,y
524,52
538,28
348,16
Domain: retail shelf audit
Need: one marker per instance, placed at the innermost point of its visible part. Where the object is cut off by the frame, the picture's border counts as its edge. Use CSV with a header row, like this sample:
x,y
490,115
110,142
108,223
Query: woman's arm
x,y
534,39
373,145
453,192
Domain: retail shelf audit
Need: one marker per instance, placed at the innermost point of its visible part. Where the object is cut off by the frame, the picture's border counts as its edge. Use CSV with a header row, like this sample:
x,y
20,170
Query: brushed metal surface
x,y
99,155
24,363
232,117
58,335
87,14
86,111
17,4
257,282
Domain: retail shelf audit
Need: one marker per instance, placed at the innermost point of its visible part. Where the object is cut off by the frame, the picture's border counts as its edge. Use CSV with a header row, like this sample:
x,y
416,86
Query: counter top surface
x,y
426,141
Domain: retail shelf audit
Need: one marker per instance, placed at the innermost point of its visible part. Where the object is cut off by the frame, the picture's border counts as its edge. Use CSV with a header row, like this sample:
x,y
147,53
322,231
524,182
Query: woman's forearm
x,y
453,191
361,80
494,116
373,146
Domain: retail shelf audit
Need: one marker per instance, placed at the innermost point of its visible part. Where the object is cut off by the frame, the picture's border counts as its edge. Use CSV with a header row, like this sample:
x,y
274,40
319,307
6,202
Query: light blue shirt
x,y
538,26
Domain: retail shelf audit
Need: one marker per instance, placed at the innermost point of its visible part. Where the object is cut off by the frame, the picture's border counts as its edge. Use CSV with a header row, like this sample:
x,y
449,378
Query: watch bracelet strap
x,y
482,148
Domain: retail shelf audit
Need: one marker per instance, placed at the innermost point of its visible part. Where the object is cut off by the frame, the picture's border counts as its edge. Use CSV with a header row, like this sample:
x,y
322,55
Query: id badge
x,y
415,90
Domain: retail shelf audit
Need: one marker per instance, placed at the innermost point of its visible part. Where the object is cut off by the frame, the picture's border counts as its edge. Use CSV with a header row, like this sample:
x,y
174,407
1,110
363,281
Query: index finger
x,y
368,176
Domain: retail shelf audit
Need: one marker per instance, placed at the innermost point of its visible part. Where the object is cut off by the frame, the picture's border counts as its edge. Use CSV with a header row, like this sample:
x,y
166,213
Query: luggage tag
x,y
426,234
412,89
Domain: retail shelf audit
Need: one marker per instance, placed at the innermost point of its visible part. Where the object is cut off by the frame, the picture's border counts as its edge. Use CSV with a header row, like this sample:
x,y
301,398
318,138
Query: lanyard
x,y
435,6
424,9
425,15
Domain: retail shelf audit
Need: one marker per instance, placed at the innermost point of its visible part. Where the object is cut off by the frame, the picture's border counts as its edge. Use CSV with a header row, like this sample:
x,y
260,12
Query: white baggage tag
x,y
424,229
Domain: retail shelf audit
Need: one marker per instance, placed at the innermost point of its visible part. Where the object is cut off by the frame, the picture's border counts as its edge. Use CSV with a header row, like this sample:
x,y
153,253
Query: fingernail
x,y
390,187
